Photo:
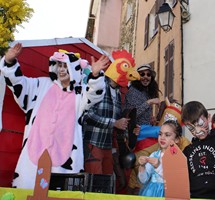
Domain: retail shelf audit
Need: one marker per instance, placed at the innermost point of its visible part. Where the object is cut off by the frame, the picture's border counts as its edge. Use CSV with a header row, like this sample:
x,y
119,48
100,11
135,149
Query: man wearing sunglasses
x,y
201,152
142,94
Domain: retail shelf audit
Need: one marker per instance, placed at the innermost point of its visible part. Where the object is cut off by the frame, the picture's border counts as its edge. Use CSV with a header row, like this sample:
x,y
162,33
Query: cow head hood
x,y
75,67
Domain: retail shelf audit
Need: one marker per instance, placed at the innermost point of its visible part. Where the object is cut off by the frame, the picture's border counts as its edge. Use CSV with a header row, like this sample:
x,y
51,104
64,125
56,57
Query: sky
x,y
55,19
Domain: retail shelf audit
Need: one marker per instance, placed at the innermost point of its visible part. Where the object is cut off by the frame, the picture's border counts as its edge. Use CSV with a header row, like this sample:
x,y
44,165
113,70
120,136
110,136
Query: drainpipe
x,y
158,57
185,17
182,63
135,29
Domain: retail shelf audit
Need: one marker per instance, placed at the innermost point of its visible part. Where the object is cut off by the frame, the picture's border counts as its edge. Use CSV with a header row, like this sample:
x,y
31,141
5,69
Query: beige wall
x,y
128,25
142,56
107,25
156,48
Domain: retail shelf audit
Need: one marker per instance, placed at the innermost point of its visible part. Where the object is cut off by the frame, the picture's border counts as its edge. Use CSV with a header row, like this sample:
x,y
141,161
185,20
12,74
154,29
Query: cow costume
x,y
52,114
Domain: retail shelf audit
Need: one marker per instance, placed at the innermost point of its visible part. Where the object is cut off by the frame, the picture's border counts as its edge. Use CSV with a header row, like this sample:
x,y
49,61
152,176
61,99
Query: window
x,y
146,34
151,23
169,72
152,26
158,4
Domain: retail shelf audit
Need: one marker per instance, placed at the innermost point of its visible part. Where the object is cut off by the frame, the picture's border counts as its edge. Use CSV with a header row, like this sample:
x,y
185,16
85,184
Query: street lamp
x,y
166,17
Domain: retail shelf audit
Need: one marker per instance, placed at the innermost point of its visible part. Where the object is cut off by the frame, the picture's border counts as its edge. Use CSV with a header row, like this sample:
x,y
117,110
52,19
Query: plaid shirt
x,y
98,122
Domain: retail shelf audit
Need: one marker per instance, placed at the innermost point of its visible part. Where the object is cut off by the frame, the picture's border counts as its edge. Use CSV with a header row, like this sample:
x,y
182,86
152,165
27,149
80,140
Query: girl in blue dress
x,y
150,170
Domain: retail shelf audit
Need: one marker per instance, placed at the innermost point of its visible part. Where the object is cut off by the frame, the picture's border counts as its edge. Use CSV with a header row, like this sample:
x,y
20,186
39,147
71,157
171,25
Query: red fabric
x,y
6,178
100,161
10,149
143,144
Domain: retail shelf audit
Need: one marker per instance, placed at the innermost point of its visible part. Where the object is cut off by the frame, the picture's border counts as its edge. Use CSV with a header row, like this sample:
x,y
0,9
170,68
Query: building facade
x,y
182,57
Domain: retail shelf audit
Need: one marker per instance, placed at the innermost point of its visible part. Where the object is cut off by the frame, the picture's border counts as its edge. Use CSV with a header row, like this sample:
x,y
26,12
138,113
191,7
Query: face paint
x,y
199,129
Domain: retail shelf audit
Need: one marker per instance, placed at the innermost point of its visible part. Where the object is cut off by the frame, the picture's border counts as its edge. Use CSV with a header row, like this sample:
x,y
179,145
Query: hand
x,y
100,64
12,53
154,162
142,160
155,101
121,123
153,121
136,130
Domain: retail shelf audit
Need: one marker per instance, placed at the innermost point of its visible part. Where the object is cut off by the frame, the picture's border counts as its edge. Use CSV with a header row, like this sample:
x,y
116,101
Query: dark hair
x,y
213,121
213,118
192,111
152,89
176,126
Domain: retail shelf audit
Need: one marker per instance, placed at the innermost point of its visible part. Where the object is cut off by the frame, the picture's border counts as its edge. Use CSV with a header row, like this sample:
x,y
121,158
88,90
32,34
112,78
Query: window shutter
x,y
169,70
158,4
146,34
166,71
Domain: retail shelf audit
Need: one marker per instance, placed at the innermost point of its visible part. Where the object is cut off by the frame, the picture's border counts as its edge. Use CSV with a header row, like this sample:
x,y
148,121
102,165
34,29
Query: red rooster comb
x,y
123,54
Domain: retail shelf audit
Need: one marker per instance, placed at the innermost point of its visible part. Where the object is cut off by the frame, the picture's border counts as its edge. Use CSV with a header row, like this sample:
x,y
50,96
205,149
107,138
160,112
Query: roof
x,y
35,53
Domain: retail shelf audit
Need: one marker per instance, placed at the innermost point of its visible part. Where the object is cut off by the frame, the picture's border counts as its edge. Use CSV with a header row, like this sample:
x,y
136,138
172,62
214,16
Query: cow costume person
x,y
53,107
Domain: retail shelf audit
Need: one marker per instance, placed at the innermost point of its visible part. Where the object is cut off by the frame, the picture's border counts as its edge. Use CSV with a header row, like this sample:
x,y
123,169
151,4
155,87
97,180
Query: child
x,y
201,153
150,169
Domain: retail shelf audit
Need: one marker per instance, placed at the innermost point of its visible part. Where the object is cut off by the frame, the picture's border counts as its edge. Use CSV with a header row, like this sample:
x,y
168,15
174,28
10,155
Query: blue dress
x,y
152,179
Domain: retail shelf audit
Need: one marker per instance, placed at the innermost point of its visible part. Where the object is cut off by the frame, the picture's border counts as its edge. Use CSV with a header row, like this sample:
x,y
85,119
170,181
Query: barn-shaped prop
x,y
34,61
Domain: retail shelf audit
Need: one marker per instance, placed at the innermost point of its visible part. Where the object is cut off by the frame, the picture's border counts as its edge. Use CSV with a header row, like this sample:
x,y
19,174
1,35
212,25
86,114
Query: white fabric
x,y
2,93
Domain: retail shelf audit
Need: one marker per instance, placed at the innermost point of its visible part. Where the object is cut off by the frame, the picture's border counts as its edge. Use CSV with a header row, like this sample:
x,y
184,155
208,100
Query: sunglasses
x,y
143,74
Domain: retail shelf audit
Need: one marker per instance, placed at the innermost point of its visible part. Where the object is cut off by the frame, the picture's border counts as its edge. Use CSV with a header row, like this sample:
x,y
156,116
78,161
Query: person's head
x,y
67,69
147,81
170,132
196,118
122,69
147,74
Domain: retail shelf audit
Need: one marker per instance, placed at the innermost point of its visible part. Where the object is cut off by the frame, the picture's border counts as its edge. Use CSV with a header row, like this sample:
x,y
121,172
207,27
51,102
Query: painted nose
x,y
198,130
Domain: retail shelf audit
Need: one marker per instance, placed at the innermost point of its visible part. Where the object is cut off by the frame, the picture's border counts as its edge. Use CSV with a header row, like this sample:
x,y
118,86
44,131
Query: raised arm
x,y
23,88
101,64
12,53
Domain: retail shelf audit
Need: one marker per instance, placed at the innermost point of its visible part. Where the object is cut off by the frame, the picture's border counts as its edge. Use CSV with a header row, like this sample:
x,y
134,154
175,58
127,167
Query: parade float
x,y
34,63
34,60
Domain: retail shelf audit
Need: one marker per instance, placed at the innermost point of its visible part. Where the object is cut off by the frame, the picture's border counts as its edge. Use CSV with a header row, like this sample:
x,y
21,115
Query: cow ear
x,y
77,55
84,63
